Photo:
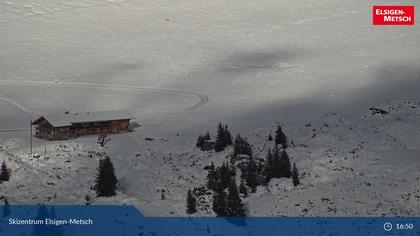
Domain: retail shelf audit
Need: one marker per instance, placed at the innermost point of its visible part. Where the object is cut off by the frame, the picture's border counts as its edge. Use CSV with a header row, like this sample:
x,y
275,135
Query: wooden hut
x,y
73,125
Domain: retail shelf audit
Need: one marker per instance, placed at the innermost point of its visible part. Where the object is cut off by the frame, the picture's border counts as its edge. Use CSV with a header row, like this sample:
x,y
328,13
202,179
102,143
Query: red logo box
x,y
393,15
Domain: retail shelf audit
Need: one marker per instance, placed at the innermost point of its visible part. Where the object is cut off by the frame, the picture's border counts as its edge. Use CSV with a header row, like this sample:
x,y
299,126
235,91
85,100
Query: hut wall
x,y
45,130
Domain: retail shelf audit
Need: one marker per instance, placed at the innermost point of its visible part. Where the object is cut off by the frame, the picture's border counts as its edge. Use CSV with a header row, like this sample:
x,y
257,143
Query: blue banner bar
x,y
127,220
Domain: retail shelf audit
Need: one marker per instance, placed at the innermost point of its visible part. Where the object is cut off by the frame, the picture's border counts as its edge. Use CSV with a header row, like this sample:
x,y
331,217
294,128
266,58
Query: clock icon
x,y
387,226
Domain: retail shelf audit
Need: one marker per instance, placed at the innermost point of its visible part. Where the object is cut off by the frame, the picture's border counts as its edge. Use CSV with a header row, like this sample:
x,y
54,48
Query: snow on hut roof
x,y
60,120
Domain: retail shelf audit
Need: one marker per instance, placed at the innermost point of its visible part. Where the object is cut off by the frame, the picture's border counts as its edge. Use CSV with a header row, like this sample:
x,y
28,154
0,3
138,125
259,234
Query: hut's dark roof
x,y
62,120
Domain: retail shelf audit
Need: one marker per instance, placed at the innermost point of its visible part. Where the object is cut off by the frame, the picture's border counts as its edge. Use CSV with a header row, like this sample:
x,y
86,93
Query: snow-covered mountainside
x,y
348,166
344,91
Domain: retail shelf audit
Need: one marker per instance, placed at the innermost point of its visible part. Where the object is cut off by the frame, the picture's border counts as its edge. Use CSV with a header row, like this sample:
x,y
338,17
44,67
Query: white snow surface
x,y
180,67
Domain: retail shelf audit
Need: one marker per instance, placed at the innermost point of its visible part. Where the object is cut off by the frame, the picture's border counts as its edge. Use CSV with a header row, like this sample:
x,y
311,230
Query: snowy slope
x,y
181,67
362,166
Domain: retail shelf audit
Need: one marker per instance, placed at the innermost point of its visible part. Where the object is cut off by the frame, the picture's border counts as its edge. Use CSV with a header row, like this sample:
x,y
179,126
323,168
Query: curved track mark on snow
x,y
48,14
18,106
203,99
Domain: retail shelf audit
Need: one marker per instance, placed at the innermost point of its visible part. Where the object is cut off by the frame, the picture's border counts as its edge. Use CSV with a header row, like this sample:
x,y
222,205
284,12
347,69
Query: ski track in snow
x,y
20,107
203,99
33,12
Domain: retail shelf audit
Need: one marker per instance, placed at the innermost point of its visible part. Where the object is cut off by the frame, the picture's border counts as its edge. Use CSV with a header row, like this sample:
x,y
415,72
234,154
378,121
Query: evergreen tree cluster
x,y
254,171
223,138
204,142
241,147
277,165
234,205
229,204
225,203
280,138
250,175
219,178
106,181
4,172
